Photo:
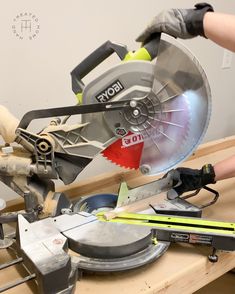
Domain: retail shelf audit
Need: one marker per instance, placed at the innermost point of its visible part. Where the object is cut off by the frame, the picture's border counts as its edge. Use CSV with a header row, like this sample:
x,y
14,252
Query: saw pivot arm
x,y
70,110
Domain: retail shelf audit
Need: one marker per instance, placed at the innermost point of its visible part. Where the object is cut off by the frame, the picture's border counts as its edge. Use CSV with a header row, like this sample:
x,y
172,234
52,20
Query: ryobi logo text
x,y
112,90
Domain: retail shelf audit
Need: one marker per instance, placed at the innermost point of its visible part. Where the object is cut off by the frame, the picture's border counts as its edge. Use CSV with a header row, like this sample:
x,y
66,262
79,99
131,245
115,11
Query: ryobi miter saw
x,y
140,115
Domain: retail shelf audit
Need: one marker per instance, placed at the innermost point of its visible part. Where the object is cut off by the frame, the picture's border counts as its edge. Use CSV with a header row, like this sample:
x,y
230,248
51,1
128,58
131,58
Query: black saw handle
x,y
152,44
93,60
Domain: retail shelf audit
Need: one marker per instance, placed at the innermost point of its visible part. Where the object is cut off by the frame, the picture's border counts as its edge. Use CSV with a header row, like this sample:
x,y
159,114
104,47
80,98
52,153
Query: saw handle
x,y
93,60
152,45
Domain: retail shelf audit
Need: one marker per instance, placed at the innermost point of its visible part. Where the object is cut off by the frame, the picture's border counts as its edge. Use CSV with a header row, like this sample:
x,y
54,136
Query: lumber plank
x,y
110,181
135,207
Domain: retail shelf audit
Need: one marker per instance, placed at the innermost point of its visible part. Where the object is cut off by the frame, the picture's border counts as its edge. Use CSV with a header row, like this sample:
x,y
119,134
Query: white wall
x,y
35,73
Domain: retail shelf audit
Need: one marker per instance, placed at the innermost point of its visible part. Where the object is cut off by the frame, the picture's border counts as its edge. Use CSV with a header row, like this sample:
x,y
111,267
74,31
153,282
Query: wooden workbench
x,y
183,268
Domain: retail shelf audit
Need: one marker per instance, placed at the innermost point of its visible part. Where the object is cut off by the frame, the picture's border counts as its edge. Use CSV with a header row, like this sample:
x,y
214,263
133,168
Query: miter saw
x,y
139,115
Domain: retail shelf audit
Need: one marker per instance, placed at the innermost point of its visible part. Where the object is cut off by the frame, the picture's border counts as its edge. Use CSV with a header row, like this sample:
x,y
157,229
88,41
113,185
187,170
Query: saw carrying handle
x,y
150,48
92,61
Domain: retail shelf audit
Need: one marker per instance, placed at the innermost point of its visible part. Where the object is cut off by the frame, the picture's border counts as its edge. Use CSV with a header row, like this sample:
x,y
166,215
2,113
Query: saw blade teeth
x,y
118,164
124,152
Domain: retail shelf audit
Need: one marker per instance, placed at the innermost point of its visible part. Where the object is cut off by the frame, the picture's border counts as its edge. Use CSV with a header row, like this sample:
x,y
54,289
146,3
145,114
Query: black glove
x,y
181,23
193,179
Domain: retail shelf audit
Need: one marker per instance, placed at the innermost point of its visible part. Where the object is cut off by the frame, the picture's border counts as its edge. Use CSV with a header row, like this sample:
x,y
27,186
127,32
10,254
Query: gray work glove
x,y
179,23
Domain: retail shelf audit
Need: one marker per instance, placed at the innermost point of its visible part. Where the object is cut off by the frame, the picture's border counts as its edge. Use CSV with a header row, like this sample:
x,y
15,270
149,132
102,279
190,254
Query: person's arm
x,y
193,179
220,28
189,23
179,23
225,169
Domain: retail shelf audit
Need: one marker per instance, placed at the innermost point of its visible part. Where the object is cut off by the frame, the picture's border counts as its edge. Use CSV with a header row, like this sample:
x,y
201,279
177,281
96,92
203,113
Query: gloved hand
x,y
179,23
193,179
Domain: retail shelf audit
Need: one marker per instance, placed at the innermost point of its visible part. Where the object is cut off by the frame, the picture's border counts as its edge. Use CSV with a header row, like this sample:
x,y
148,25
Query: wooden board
x,y
110,181
182,269
224,284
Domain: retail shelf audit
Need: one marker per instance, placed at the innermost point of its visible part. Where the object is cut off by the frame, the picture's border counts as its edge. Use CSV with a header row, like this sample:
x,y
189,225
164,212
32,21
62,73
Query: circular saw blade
x,y
180,121
171,120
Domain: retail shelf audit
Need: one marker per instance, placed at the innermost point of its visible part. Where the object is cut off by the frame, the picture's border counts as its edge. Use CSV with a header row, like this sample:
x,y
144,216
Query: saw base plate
x,y
146,256
104,247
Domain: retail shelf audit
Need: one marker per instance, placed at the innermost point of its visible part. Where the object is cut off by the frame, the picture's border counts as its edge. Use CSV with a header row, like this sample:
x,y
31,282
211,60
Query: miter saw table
x,y
183,268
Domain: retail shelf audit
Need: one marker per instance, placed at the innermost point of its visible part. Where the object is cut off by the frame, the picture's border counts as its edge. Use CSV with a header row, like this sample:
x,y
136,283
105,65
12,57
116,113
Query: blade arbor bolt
x,y
136,112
